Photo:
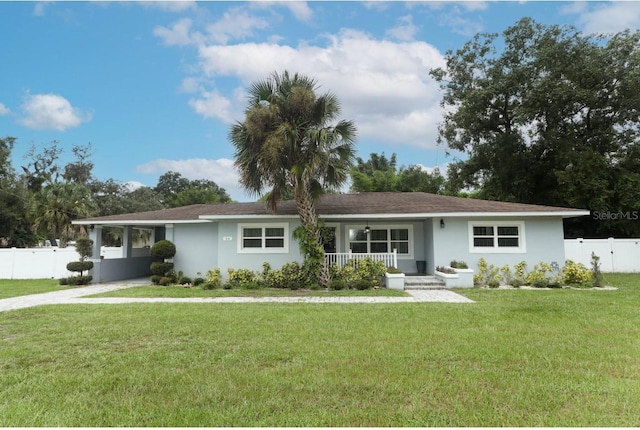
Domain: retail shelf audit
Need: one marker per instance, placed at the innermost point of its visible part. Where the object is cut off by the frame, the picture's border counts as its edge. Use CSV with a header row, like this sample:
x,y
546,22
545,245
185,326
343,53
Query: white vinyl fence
x,y
49,262
616,255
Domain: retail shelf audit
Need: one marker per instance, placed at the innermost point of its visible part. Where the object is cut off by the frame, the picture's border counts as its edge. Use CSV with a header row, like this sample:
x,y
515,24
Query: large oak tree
x,y
548,115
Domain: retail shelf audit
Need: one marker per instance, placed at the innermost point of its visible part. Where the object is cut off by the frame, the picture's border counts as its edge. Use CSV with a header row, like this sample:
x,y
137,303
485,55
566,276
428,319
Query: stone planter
x,y
463,278
394,281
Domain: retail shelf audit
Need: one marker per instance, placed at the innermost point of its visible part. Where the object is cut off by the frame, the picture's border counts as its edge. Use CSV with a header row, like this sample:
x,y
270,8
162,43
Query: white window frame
x,y
495,249
263,249
408,227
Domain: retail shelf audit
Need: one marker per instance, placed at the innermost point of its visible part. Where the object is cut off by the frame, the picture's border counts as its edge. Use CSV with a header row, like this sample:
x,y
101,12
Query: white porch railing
x,y
390,259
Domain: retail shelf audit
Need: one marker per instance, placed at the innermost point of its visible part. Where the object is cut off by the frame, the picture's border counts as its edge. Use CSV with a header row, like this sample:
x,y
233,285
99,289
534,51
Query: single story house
x,y
414,231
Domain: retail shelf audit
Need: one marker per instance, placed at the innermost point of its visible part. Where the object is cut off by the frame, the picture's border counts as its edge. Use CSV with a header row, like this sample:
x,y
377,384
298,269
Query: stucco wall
x,y
228,256
544,242
196,247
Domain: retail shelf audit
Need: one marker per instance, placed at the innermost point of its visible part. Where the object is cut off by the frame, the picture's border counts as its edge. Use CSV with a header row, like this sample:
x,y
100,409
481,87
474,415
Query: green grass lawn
x,y
513,358
22,287
174,291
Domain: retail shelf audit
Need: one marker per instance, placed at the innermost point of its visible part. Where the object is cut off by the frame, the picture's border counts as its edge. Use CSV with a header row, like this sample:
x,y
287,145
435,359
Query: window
x,y
496,237
381,239
256,238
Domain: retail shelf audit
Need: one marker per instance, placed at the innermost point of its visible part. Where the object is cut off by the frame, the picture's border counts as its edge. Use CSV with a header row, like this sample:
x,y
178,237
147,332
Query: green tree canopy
x,y
291,139
547,115
179,191
381,174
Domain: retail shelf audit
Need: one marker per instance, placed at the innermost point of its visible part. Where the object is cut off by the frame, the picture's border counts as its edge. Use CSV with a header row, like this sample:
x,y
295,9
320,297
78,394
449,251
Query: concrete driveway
x,y
76,296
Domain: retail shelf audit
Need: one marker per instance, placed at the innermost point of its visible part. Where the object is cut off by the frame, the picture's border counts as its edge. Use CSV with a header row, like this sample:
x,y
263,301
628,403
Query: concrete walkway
x,y
76,296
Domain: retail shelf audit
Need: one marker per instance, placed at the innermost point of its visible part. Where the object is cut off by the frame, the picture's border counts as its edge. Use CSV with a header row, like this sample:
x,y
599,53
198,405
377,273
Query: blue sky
x,y
155,86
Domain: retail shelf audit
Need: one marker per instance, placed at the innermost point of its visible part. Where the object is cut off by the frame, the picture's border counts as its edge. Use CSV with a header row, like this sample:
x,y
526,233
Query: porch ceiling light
x,y
441,223
367,230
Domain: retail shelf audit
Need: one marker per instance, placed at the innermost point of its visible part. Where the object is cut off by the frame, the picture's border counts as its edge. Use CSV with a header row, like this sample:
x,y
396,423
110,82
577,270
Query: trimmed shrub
x,y
338,284
166,280
63,281
184,280
84,247
197,281
240,277
163,249
79,280
79,266
161,268
362,284
155,279
576,274
213,281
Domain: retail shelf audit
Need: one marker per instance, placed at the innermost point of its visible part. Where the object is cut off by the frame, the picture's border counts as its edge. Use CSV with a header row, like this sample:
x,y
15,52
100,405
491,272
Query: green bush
x,y
79,266
576,274
293,276
208,285
198,281
163,249
362,284
79,280
160,268
213,279
84,247
240,277
596,275
338,284
166,280
63,281
459,265
184,280
155,279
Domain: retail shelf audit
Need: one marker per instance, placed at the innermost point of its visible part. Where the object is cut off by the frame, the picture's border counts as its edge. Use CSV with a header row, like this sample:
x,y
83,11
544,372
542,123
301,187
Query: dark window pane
x,y
508,242
274,243
378,234
252,243
400,234
483,231
357,235
252,232
483,241
379,247
508,231
401,247
359,248
274,232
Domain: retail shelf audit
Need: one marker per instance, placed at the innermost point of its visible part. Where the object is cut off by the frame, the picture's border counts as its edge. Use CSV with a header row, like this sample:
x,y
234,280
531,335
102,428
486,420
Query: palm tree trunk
x,y
309,219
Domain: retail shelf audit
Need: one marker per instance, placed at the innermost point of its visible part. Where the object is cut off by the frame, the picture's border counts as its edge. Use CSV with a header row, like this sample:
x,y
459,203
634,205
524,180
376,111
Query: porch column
x,y
168,235
127,245
95,234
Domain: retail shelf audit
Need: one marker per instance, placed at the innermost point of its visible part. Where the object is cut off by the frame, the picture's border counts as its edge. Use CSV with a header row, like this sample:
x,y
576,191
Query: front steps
x,y
423,282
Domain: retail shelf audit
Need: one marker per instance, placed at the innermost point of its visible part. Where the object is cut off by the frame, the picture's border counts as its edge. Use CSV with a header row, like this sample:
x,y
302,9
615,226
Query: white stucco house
x,y
414,231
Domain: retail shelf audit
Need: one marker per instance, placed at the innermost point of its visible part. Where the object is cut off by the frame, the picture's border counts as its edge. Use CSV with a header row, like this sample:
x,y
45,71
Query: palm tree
x,y
290,142
57,205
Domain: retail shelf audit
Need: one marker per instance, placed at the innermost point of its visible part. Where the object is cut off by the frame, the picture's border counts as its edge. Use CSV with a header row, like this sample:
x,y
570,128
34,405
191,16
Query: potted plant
x,y
394,278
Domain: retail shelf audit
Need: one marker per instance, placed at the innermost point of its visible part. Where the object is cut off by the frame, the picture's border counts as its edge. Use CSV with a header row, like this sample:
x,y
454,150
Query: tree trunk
x,y
309,219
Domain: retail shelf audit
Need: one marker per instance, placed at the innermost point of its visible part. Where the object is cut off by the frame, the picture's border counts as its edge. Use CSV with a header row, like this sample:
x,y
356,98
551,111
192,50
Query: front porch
x,y
341,259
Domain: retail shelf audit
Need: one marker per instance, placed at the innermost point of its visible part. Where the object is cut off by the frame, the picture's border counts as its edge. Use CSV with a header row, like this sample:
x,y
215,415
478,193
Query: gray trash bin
x,y
422,267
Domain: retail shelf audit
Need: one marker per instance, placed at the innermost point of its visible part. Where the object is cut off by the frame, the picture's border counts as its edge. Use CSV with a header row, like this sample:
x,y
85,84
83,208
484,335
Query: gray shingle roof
x,y
345,204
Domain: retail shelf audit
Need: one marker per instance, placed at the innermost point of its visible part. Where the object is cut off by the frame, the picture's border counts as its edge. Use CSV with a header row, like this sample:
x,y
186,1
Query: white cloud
x,y
38,9
299,9
50,112
179,34
405,30
383,86
4,110
170,5
235,24
213,105
610,17
220,171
